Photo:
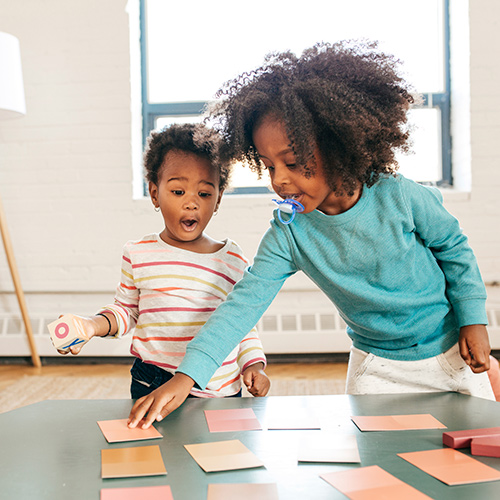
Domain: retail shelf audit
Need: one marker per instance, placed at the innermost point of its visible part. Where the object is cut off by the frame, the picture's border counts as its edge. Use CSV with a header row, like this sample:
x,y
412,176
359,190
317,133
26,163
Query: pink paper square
x,y
138,493
117,431
242,419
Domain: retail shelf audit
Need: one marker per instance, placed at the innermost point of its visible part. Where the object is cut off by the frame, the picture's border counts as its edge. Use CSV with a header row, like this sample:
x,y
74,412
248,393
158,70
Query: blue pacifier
x,y
288,206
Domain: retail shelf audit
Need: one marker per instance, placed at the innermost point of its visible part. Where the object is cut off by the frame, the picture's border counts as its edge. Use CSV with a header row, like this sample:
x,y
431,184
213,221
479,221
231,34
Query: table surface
x,y
51,450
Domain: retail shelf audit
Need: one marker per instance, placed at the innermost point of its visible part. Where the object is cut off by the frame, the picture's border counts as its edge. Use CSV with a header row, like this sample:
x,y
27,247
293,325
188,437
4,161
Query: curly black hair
x,y
347,99
194,138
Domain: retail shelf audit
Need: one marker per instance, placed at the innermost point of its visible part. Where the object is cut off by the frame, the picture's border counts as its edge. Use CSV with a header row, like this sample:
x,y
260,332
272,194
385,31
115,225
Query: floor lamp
x,y
12,105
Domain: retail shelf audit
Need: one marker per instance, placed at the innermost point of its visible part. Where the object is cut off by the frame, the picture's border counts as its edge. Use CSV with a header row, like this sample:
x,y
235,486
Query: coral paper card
x,y
397,423
372,483
117,431
331,448
223,455
451,467
486,446
462,439
132,462
242,419
248,491
138,493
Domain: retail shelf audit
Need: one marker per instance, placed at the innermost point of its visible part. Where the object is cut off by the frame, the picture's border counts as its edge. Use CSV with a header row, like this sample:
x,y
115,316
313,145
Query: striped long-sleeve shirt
x,y
167,294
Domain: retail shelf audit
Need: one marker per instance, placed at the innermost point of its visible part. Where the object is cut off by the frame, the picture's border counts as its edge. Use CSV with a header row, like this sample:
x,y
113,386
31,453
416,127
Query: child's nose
x,y
191,204
280,176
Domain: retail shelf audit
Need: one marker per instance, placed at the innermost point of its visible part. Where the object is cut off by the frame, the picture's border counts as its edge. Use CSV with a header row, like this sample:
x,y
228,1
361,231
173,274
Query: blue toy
x,y
288,206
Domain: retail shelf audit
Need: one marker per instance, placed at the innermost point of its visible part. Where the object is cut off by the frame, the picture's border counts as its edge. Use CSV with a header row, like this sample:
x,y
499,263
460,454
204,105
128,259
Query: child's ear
x,y
153,193
217,205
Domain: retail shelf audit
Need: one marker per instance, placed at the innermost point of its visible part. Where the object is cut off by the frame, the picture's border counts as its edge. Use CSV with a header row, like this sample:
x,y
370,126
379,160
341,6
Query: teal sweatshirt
x,y
396,266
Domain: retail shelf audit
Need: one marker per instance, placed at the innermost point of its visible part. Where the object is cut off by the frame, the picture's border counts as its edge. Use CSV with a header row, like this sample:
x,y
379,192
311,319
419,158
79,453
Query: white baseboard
x,y
320,332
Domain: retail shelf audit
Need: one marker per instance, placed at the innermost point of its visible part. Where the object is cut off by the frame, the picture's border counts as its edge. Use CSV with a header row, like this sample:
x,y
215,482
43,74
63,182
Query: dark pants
x,y
147,377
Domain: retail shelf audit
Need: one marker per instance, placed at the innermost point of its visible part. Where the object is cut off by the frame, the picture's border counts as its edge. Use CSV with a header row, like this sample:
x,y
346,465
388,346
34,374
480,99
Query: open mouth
x,y
189,224
290,196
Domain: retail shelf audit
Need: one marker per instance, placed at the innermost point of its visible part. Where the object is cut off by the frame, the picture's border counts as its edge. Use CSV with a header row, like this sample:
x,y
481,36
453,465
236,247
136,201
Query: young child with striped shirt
x,y
171,282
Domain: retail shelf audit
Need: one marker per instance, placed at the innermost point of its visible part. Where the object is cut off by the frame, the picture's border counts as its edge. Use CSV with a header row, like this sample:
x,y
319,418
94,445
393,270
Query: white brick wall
x,y
66,167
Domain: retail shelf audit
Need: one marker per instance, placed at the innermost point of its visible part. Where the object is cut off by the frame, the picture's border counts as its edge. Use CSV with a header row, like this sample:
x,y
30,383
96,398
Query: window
x,y
189,49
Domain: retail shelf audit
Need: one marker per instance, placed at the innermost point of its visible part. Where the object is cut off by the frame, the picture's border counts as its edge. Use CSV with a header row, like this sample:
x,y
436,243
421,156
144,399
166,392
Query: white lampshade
x,y
12,102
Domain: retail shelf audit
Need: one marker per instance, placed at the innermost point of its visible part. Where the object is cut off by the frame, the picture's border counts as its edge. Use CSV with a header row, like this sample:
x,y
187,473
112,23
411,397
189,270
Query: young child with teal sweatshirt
x,y
394,262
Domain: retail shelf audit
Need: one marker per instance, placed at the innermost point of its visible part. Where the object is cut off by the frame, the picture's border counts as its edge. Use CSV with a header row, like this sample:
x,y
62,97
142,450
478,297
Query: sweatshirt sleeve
x,y
126,305
441,233
245,305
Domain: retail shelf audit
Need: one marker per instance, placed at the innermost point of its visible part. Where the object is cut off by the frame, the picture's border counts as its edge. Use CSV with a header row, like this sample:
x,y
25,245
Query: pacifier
x,y
288,206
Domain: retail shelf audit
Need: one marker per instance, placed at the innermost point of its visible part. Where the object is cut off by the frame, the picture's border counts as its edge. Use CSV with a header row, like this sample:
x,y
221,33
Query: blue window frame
x,y
155,113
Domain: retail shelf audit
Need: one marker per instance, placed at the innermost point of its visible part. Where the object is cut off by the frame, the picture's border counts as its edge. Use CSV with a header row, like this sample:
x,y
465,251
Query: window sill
x,y
455,195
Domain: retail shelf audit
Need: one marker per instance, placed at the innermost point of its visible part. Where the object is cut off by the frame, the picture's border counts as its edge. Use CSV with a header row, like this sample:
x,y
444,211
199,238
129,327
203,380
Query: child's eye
x,y
178,192
270,168
291,166
205,195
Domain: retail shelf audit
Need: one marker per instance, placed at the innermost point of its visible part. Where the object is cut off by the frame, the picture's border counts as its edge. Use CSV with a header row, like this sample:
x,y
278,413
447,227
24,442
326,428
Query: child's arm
x,y
122,314
255,380
95,326
252,362
475,347
441,232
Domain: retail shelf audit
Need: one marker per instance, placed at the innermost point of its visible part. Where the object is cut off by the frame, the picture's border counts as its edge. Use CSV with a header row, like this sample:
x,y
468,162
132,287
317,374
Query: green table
x,y
51,450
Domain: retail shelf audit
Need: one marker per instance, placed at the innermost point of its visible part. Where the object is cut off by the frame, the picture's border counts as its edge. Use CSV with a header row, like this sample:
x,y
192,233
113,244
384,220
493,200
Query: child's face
x,y
273,145
187,195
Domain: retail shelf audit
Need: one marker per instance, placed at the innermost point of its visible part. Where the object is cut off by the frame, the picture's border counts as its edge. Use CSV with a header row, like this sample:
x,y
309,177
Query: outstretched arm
x,y
161,402
95,326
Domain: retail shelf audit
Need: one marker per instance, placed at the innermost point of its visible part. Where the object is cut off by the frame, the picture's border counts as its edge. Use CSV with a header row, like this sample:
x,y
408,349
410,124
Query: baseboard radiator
x,y
321,332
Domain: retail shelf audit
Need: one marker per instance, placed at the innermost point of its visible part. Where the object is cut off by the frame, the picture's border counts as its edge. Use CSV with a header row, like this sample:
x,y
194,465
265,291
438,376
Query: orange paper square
x,y
223,455
372,483
397,422
451,467
132,462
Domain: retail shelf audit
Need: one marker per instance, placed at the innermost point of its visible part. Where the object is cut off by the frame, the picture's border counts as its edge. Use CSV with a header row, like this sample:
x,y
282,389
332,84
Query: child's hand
x,y
475,347
161,401
96,326
87,326
256,381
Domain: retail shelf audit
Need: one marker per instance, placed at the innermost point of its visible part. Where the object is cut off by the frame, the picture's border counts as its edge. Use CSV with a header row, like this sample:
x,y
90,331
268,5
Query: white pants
x,y
370,374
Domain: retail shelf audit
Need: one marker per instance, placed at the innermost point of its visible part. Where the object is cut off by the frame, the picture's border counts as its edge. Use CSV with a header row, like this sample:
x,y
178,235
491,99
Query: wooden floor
x,y
300,371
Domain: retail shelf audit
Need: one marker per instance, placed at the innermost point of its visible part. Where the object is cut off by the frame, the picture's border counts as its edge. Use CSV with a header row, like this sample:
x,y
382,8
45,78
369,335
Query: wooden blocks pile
x,y
66,332
482,442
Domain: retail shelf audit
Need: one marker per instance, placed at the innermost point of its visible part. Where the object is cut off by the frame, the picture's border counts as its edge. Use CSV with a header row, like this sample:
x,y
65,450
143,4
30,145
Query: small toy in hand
x,y
66,332
288,206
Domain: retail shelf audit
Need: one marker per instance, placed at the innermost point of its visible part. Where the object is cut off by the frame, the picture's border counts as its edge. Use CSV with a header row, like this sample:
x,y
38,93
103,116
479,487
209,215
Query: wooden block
x,y
462,439
486,446
66,332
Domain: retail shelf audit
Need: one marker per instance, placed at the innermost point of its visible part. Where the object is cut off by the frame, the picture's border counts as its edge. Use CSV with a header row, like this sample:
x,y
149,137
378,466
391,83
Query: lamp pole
x,y
12,105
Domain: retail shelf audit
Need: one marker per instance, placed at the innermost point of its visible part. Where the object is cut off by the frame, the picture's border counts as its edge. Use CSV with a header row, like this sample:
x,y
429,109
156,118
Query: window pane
x,y
193,47
164,121
422,165
425,164
244,177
